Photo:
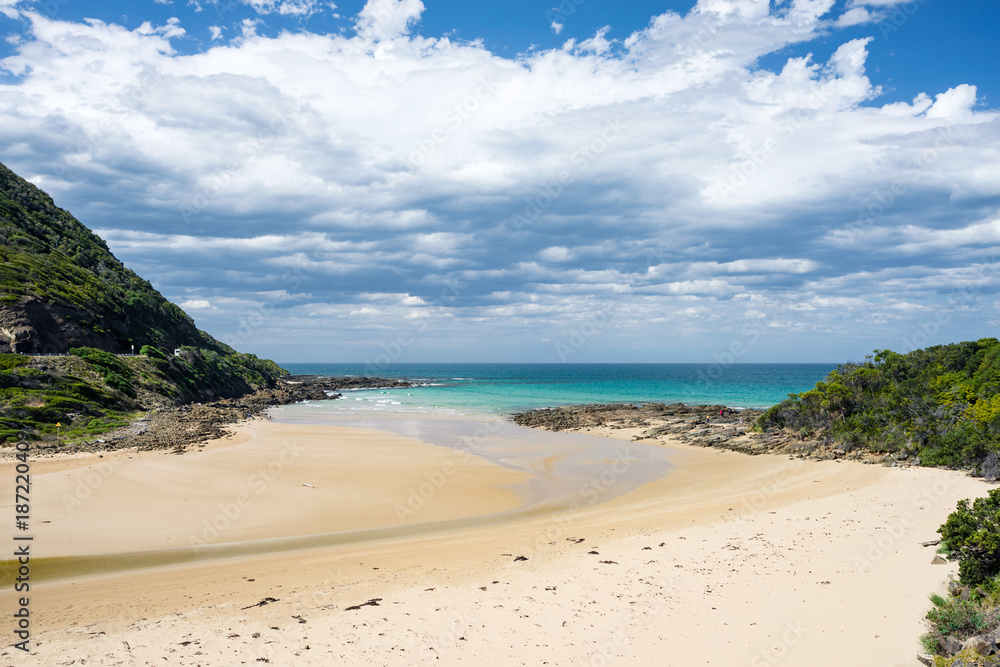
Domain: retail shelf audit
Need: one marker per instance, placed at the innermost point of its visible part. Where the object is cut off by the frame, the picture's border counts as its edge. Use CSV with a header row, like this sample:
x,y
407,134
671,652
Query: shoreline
x,y
177,427
726,543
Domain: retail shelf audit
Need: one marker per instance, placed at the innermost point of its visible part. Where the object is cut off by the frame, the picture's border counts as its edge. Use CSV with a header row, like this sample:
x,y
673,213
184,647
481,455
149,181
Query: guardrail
x,y
62,354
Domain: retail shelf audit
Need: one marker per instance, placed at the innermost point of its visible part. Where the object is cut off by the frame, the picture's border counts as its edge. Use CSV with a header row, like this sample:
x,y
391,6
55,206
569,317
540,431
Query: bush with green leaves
x,y
9,362
152,352
115,372
941,403
957,618
972,535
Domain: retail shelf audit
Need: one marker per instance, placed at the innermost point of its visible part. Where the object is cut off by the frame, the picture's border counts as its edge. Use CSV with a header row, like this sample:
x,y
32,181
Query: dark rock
x,y
374,602
262,603
952,645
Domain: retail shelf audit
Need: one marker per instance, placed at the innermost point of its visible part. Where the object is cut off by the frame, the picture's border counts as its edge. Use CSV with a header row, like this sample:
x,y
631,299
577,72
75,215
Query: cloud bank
x,y
336,191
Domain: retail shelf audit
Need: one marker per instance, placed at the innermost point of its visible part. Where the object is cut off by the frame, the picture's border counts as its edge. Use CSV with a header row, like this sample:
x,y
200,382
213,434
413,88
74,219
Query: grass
x,y
954,617
93,392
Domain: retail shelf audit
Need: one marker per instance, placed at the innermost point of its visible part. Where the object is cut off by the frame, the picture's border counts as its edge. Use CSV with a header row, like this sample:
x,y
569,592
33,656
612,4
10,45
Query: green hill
x,y
62,291
941,404
60,286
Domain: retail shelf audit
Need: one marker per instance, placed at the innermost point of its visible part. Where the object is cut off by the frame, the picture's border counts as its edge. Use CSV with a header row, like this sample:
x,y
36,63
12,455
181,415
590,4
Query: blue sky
x,y
397,180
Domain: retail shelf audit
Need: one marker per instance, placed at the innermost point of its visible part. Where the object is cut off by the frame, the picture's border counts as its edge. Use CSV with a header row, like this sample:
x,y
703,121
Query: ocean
x,y
498,390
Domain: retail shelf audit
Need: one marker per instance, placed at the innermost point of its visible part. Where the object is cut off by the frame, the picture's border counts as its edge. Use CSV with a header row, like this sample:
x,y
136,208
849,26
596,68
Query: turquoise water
x,y
501,389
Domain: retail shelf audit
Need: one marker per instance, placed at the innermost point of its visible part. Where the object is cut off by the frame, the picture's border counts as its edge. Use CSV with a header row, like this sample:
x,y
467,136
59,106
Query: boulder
x,y
979,643
952,645
994,638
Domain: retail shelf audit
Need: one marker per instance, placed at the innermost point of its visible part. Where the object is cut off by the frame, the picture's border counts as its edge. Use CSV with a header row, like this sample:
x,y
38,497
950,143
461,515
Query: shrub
x,y
959,618
116,381
116,374
9,362
152,352
972,535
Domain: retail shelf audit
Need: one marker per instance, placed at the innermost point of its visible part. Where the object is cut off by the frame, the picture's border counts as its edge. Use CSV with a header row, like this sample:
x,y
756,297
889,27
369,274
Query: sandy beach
x,y
727,560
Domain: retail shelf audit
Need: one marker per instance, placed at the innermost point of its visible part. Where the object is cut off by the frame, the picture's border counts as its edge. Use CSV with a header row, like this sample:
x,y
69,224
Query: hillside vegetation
x,y
92,391
62,291
940,404
60,286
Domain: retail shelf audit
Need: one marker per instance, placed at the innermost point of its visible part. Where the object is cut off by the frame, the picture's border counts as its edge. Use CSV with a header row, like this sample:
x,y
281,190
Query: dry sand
x,y
730,560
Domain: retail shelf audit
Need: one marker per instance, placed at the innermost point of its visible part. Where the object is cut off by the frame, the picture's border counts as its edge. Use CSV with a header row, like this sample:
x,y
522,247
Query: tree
x,y
972,534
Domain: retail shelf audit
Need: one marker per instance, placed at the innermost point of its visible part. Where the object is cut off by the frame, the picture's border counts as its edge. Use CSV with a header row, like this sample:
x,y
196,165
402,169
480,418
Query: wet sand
x,y
729,559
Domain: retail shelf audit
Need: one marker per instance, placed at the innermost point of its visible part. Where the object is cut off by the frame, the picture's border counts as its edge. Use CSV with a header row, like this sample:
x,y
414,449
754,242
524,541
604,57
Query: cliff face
x,y
60,286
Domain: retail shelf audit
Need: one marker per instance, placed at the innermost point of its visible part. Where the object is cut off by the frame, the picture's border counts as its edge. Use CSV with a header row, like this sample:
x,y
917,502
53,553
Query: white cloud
x,y
771,266
596,44
381,20
9,8
557,28
381,175
197,304
285,7
556,254
957,102
855,16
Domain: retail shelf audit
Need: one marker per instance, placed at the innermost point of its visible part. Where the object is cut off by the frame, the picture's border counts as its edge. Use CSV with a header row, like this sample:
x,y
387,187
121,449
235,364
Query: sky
x,y
383,181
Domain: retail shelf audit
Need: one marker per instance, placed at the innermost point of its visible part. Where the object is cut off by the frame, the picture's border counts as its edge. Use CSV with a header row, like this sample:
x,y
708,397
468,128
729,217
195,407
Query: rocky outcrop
x,y
32,327
177,428
701,425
